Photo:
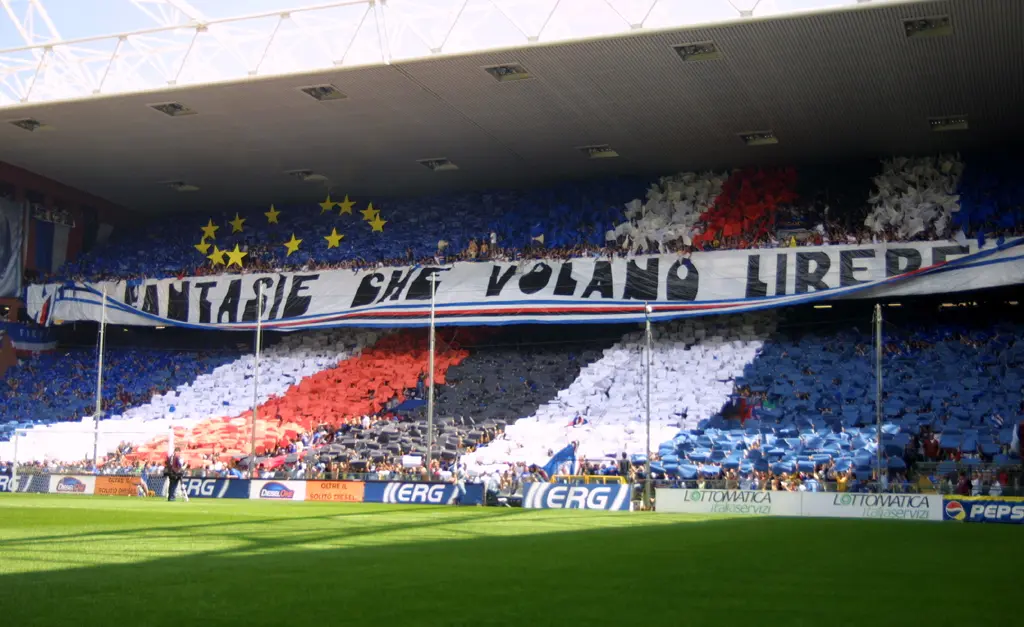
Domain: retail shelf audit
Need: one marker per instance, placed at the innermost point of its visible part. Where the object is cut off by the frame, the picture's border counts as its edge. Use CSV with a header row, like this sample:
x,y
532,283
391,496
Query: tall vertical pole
x,y
650,360
256,382
14,464
430,382
99,379
878,393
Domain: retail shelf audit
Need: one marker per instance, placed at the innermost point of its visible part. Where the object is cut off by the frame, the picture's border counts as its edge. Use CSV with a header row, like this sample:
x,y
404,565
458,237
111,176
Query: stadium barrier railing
x,y
588,479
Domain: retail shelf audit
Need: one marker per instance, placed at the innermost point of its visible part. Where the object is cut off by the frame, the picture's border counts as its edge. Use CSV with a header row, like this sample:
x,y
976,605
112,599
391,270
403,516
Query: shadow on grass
x,y
792,572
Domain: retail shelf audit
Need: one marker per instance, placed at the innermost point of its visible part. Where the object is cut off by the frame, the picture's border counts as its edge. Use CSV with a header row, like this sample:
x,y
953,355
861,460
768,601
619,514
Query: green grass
x,y
86,561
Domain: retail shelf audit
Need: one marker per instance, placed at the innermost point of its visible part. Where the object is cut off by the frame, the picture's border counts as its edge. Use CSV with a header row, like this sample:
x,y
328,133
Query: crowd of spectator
x,y
912,199
61,385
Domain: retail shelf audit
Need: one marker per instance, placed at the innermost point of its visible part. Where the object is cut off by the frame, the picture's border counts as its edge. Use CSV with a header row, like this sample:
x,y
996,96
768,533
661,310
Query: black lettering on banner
x,y
536,279
601,282
940,253
565,285
368,289
641,283
297,303
396,285
249,312
683,288
178,302
204,300
805,278
499,279
229,305
151,301
846,267
282,280
894,265
781,270
420,288
131,294
755,286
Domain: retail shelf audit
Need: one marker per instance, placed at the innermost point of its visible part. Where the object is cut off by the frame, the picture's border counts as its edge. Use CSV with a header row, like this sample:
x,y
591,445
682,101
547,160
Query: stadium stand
x,y
61,386
207,387
804,408
603,410
901,199
365,384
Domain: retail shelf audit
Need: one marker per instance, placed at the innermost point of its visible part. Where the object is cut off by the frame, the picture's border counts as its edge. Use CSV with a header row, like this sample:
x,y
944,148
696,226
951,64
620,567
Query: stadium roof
x,y
836,84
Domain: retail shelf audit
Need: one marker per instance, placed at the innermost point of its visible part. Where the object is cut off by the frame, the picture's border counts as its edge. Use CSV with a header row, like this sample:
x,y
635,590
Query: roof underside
x,y
830,86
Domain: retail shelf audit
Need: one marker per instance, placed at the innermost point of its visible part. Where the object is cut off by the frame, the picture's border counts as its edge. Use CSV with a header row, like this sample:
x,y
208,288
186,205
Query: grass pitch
x,y
87,561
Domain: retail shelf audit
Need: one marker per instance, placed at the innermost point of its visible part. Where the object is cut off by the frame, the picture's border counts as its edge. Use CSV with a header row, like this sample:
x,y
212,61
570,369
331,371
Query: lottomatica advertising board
x,y
809,504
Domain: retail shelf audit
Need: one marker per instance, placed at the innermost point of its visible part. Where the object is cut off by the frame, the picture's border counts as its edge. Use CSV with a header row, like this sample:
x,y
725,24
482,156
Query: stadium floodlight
x,y
323,93
701,51
30,124
307,176
437,164
759,138
181,186
508,72
936,26
599,151
948,123
173,109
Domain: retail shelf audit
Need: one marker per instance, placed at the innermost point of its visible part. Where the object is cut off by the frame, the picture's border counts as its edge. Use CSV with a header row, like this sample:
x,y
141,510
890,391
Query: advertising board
x,y
275,490
984,509
733,502
556,496
72,484
335,491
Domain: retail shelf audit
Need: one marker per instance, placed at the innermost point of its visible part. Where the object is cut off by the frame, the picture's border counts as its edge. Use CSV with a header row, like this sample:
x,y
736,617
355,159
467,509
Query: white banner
x,y
573,291
733,502
891,506
72,484
274,490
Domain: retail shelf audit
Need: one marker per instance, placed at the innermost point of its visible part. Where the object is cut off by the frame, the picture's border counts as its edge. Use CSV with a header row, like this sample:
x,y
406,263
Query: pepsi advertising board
x,y
277,490
555,496
414,493
984,509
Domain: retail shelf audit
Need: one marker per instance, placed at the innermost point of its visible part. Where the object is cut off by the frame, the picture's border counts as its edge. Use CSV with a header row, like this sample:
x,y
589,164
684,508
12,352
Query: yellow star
x,y
235,256
236,224
334,239
203,246
327,205
292,245
377,225
210,230
370,214
272,215
217,256
346,206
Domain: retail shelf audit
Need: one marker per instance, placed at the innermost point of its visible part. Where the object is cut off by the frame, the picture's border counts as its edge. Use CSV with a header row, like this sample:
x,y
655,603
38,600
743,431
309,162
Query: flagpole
x,y
647,457
256,382
430,386
99,378
878,394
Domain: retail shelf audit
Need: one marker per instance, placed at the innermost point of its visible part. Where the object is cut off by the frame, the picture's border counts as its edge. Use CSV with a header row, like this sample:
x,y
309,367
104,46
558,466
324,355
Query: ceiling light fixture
x,y
439,164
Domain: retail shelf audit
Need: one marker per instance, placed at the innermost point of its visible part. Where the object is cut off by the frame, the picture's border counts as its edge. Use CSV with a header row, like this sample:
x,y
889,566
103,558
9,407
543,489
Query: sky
x,y
87,18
